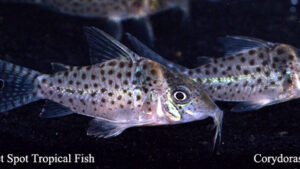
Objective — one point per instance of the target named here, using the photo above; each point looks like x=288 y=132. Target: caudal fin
x=17 y=86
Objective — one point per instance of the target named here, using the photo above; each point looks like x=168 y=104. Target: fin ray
x=18 y=87
x=104 y=46
x=236 y=44
x=53 y=110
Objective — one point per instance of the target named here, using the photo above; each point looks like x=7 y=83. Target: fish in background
x=125 y=91
x=254 y=73
x=114 y=10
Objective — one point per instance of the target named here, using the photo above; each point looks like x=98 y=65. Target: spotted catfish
x=125 y=91
x=113 y=10
x=253 y=72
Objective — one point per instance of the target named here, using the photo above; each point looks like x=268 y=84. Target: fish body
x=253 y=72
x=114 y=11
x=122 y=92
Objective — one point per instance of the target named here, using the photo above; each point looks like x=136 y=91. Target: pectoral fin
x=105 y=129
x=52 y=110
x=247 y=106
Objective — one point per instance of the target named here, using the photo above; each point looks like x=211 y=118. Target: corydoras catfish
x=253 y=72
x=125 y=91
x=113 y=10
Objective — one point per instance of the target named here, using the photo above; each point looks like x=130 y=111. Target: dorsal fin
x=236 y=44
x=57 y=67
x=146 y=52
x=102 y=46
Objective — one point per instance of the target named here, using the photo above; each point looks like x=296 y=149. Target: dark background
x=34 y=37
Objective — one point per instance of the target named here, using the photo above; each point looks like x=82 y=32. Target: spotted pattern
x=249 y=74
x=115 y=90
x=114 y=9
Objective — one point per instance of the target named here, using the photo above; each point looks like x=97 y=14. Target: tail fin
x=17 y=86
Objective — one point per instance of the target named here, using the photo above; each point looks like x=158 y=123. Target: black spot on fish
x=251 y=52
x=228 y=68
x=93 y=94
x=110 y=72
x=83 y=76
x=280 y=51
x=121 y=106
x=144 y=66
x=74 y=74
x=50 y=92
x=103 y=90
x=252 y=62
x=290 y=81
x=44 y=80
x=272 y=83
x=207 y=72
x=121 y=64
x=238 y=67
x=110 y=94
x=66 y=73
x=117 y=86
x=215 y=70
x=267 y=73
x=110 y=82
x=82 y=101
x=128 y=74
x=259 y=81
x=86 y=86
x=276 y=59
x=119 y=75
x=119 y=97
x=59 y=95
x=264 y=63
x=78 y=83
x=198 y=70
x=93 y=77
x=102 y=72
x=95 y=85
x=230 y=58
x=245 y=84
x=224 y=73
x=59 y=81
x=258 y=69
x=190 y=72
x=243 y=59
x=70 y=100
x=129 y=102
x=138 y=97
x=291 y=57
x=261 y=55
x=71 y=82
x=112 y=63
x=88 y=68
x=112 y=102
x=103 y=100
x=145 y=89
x=125 y=82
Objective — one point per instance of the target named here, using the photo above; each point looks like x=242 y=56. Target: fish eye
x=181 y=95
